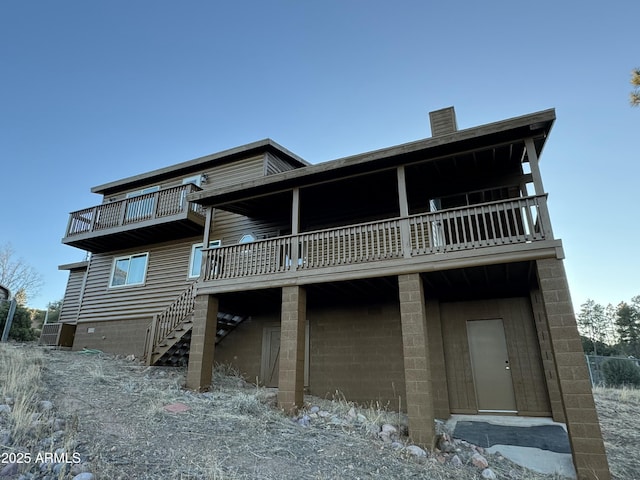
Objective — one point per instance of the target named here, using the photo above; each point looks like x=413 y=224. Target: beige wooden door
x=271 y=355
x=490 y=365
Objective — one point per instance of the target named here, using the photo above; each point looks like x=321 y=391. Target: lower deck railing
x=520 y=220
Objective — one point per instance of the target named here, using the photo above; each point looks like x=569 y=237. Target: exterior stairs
x=169 y=334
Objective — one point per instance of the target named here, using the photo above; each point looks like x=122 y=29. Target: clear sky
x=94 y=91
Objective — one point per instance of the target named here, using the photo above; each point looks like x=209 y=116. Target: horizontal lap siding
x=166 y=278
x=230 y=227
x=218 y=175
x=72 y=296
x=276 y=164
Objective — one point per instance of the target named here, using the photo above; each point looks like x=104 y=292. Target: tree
x=635 y=81
x=593 y=323
x=19 y=277
x=21 y=330
x=628 y=326
x=53 y=310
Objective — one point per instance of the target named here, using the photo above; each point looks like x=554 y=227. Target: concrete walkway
x=535 y=459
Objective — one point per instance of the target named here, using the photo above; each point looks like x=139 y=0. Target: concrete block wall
x=417 y=365
x=203 y=342
x=292 y=344
x=120 y=337
x=589 y=455
x=357 y=350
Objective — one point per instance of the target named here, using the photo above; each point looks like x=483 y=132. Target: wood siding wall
x=72 y=296
x=217 y=176
x=166 y=277
x=274 y=164
x=522 y=344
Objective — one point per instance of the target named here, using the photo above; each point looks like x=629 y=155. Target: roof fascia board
x=191 y=165
x=286 y=180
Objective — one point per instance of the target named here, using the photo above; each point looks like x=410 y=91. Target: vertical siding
x=522 y=344
x=72 y=296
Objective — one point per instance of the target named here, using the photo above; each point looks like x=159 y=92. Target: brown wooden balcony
x=510 y=229
x=153 y=217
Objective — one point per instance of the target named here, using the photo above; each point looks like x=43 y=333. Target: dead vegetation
x=117 y=418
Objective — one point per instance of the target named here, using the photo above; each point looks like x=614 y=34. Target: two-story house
x=426 y=272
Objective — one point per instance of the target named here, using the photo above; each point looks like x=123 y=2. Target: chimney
x=443 y=121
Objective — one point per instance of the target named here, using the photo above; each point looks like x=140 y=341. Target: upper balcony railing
x=134 y=210
x=513 y=221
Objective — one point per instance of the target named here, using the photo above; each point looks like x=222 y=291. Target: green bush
x=21 y=330
x=620 y=372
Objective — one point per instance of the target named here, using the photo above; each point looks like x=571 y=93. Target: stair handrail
x=167 y=321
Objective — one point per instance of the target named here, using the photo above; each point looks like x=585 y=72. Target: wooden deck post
x=203 y=342
x=405 y=230
x=585 y=437
x=417 y=364
x=292 y=342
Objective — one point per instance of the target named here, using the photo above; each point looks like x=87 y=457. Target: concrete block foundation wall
x=120 y=337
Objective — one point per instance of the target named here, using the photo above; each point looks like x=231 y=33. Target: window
x=196 y=257
x=129 y=270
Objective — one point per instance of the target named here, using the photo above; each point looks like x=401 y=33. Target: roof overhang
x=197 y=164
x=535 y=125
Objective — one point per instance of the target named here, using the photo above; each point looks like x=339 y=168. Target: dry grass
x=618 y=410
x=115 y=414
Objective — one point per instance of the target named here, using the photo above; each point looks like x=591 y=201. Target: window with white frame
x=129 y=270
x=195 y=263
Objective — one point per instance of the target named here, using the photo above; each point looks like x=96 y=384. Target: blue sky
x=96 y=91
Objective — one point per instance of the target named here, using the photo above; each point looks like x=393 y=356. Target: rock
x=130 y=358
x=443 y=443
x=85 y=476
x=314 y=409
x=455 y=461
x=304 y=420
x=5 y=409
x=488 y=474
x=479 y=461
x=9 y=470
x=360 y=418
x=416 y=451
x=389 y=429
x=396 y=445
x=45 y=406
x=323 y=414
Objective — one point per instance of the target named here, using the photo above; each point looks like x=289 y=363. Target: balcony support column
x=292 y=348
x=405 y=229
x=417 y=359
x=532 y=155
x=581 y=417
x=203 y=342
